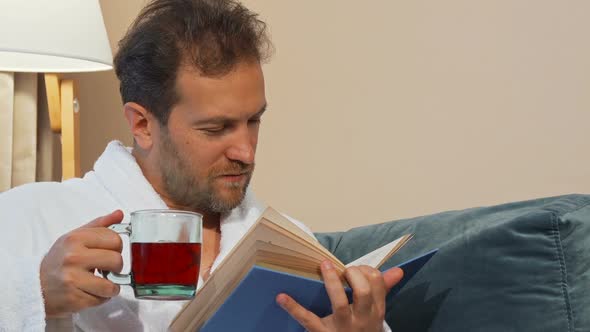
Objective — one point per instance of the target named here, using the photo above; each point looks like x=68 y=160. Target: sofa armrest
x=522 y=266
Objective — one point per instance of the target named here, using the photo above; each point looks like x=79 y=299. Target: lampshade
x=53 y=36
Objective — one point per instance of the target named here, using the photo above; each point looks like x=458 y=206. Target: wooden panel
x=53 y=101
x=70 y=132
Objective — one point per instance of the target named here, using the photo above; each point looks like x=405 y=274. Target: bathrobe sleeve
x=21 y=302
x=32 y=217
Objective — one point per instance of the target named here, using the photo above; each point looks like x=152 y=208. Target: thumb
x=392 y=277
x=114 y=217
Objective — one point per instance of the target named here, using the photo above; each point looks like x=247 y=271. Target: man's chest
x=209 y=250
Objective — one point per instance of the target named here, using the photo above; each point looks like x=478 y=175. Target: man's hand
x=366 y=313
x=68 y=282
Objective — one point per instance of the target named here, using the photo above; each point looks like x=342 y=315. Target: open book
x=275 y=256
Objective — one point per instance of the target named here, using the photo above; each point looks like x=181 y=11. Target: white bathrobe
x=33 y=217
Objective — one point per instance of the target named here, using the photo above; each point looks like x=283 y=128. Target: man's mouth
x=234 y=177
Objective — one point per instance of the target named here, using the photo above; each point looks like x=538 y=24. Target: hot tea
x=165 y=254
x=165 y=266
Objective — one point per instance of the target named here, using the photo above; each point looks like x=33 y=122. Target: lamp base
x=64 y=118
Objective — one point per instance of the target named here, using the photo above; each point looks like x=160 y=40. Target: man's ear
x=141 y=123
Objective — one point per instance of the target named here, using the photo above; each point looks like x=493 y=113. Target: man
x=193 y=93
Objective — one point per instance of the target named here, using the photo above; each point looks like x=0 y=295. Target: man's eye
x=255 y=121
x=215 y=130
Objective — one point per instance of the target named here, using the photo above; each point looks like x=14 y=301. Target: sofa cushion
x=521 y=266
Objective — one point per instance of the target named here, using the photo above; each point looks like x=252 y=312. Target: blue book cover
x=252 y=307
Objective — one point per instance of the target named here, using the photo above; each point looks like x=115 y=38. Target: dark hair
x=212 y=36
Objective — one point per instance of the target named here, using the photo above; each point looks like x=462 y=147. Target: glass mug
x=165 y=252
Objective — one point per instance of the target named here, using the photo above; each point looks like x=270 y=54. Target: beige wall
x=101 y=117
x=387 y=109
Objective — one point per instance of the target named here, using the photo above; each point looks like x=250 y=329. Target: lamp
x=56 y=36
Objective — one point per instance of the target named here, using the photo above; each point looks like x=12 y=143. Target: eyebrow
x=225 y=119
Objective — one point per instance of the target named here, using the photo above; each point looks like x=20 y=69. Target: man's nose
x=243 y=148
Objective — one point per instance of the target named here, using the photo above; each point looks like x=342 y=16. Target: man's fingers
x=96 y=286
x=96 y=238
x=306 y=318
x=107 y=260
x=82 y=300
x=392 y=277
x=335 y=290
x=114 y=217
x=361 y=292
x=378 y=290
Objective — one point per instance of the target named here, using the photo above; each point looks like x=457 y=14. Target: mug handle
x=119 y=278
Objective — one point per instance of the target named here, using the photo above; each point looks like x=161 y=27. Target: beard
x=187 y=190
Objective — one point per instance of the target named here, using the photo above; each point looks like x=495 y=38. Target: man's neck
x=211 y=244
x=211 y=221
x=211 y=236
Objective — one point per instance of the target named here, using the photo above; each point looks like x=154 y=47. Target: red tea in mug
x=165 y=263
x=165 y=247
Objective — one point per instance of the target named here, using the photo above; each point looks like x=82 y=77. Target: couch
x=522 y=266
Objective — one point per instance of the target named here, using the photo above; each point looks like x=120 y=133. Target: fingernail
x=281 y=300
x=327 y=265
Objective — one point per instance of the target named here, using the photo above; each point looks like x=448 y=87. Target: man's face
x=206 y=151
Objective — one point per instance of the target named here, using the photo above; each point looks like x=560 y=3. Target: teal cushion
x=515 y=267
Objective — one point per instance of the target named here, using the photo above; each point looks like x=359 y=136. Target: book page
x=276 y=218
x=377 y=257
